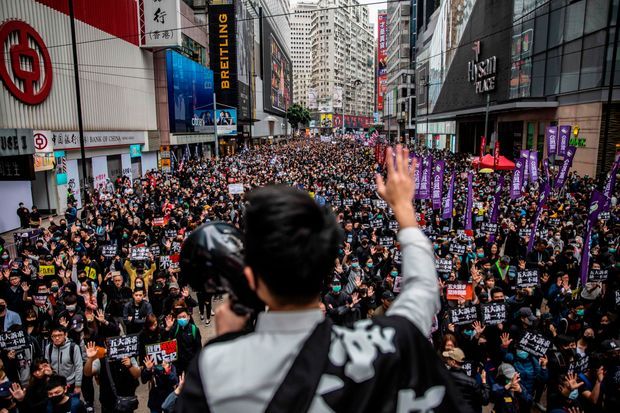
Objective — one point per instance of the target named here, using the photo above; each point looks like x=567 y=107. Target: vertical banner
x=610 y=184
x=483 y=144
x=566 y=165
x=448 y=200
x=543 y=194
x=517 y=179
x=73 y=181
x=563 y=139
x=223 y=53
x=497 y=199
x=596 y=203
x=425 y=179
x=546 y=170
x=126 y=165
x=100 y=171
x=525 y=154
x=438 y=170
x=496 y=155
x=161 y=23
x=381 y=58
x=337 y=97
x=470 y=201
x=417 y=174
x=551 y=135
x=533 y=166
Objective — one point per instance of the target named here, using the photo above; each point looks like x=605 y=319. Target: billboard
x=190 y=94
x=381 y=58
x=245 y=29
x=226 y=122
x=277 y=73
x=223 y=52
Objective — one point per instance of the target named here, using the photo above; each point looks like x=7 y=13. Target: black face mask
x=57 y=399
x=2 y=307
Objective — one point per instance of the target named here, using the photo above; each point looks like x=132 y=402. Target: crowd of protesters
x=519 y=329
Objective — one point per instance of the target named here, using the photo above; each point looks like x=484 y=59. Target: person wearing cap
x=508 y=395
x=524 y=321
x=475 y=394
x=387 y=298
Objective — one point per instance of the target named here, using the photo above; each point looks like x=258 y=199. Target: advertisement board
x=277 y=73
x=190 y=95
x=162 y=21
x=226 y=122
x=245 y=29
x=223 y=51
x=381 y=58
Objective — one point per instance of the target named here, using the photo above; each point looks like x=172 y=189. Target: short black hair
x=54 y=381
x=291 y=242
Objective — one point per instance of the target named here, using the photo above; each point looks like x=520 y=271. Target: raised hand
x=63 y=322
x=17 y=392
x=91 y=350
x=25 y=287
x=506 y=340
x=571 y=380
x=149 y=363
x=478 y=327
x=169 y=322
x=185 y=292
x=399 y=189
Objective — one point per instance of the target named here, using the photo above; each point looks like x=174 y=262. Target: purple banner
x=448 y=205
x=438 y=169
x=417 y=175
x=470 y=202
x=533 y=166
x=497 y=199
x=543 y=194
x=566 y=165
x=610 y=184
x=425 y=178
x=563 y=139
x=525 y=154
x=597 y=202
x=517 y=179
x=551 y=135
x=546 y=169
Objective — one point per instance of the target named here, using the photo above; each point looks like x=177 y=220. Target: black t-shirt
x=35 y=216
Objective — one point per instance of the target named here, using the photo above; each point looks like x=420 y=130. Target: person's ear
x=249 y=275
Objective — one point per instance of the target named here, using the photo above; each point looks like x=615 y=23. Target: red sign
x=458 y=290
x=22 y=49
x=496 y=154
x=40 y=141
x=382 y=59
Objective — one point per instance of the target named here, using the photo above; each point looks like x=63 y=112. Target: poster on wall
x=223 y=51
x=245 y=32
x=381 y=59
x=100 y=171
x=277 y=73
x=226 y=122
x=73 y=181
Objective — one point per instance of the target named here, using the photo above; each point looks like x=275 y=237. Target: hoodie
x=61 y=361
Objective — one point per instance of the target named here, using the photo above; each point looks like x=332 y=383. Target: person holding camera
x=296 y=360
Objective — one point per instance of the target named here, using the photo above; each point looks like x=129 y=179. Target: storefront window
x=571 y=61
x=592 y=63
x=530 y=136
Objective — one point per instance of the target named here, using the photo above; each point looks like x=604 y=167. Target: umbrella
x=486 y=171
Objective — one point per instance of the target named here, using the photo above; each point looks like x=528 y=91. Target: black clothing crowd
x=518 y=330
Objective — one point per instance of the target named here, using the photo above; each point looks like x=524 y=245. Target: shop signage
x=162 y=23
x=482 y=73
x=71 y=140
x=577 y=142
x=135 y=151
x=14 y=142
x=17 y=168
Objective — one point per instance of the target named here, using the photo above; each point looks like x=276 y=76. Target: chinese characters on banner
x=382 y=59
x=162 y=23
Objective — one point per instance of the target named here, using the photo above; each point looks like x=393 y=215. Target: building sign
x=17 y=168
x=31 y=84
x=223 y=51
x=381 y=58
x=71 y=140
x=14 y=142
x=135 y=151
x=277 y=73
x=482 y=73
x=160 y=23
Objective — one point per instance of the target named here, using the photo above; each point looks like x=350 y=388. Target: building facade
x=557 y=72
x=342 y=78
x=301 y=50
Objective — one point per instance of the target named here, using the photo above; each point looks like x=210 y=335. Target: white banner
x=235 y=189
x=126 y=165
x=312 y=99
x=100 y=171
x=326 y=106
x=337 y=98
x=71 y=140
x=162 y=23
x=73 y=181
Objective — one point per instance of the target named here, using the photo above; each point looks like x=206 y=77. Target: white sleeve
x=418 y=300
x=96 y=366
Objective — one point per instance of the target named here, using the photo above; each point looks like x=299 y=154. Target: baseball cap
x=4 y=389
x=455 y=354
x=173 y=285
x=526 y=312
x=77 y=321
x=506 y=370
x=610 y=345
x=388 y=295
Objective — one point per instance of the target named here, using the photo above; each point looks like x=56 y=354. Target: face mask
x=480 y=255
x=139 y=285
x=2 y=307
x=71 y=307
x=5 y=256
x=522 y=354
x=573 y=395
x=84 y=289
x=581 y=312
x=394 y=273
x=57 y=399
x=125 y=236
x=54 y=288
x=336 y=288
x=369 y=265
x=611 y=251
x=469 y=333
x=182 y=321
x=355 y=265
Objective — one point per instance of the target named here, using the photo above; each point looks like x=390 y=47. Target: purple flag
x=566 y=165
x=525 y=154
x=496 y=200
x=552 y=140
x=597 y=202
x=438 y=169
x=543 y=194
x=417 y=175
x=546 y=169
x=448 y=200
x=425 y=178
x=563 y=139
x=470 y=201
x=517 y=179
x=610 y=185
x=533 y=166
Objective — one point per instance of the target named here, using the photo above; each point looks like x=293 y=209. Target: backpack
x=193 y=331
x=71 y=351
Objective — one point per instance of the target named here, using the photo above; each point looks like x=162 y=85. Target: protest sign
x=109 y=251
x=397 y=281
x=467 y=367
x=348 y=202
x=598 y=275
x=554 y=222
x=393 y=225
x=458 y=290
x=122 y=346
x=47 y=270
x=380 y=203
x=604 y=216
x=235 y=189
x=376 y=223
x=366 y=202
x=463 y=315
x=159 y=222
x=176 y=246
x=12 y=340
x=493 y=313
x=139 y=253
x=170 y=233
x=175 y=261
x=489 y=228
x=579 y=365
x=155 y=250
x=524 y=232
x=386 y=241
x=457 y=249
x=164 y=351
x=527 y=278
x=535 y=344
x=39 y=299
x=444 y=265
x=397 y=257
x=164 y=262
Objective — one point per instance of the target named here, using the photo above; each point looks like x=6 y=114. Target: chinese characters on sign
x=123 y=346
x=162 y=23
x=534 y=344
x=463 y=315
x=12 y=340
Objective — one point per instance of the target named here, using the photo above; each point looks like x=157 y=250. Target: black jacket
x=474 y=394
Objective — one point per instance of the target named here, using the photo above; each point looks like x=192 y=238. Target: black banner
x=386 y=241
x=493 y=313
x=534 y=344
x=457 y=249
x=139 y=254
x=17 y=168
x=527 y=278
x=108 y=251
x=488 y=228
x=598 y=275
x=122 y=346
x=463 y=315
x=223 y=52
x=444 y=265
x=12 y=340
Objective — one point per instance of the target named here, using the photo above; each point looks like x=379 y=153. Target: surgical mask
x=182 y=321
x=5 y=256
x=139 y=285
x=573 y=394
x=611 y=251
x=480 y=255
x=469 y=333
x=581 y=312
x=71 y=307
x=54 y=288
x=336 y=288
x=84 y=289
x=355 y=265
x=369 y=265
x=394 y=273
x=522 y=354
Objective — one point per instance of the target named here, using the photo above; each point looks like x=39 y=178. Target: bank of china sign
x=482 y=73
